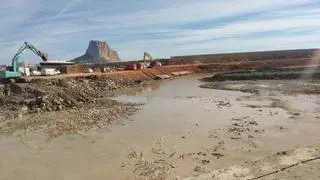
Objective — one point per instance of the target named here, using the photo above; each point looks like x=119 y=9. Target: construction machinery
x=147 y=62
x=13 y=72
x=147 y=56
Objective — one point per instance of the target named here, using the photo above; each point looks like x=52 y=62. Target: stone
x=296 y=114
x=60 y=107
x=48 y=109
x=24 y=109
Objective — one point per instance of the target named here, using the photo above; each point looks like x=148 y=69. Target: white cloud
x=192 y=11
x=63 y=28
x=235 y=30
x=260 y=42
x=249 y=27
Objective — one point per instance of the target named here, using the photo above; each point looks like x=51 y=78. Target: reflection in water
x=141 y=95
x=149 y=98
x=150 y=87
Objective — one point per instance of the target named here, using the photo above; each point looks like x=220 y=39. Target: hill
x=98 y=52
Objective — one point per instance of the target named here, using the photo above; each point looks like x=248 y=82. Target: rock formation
x=98 y=52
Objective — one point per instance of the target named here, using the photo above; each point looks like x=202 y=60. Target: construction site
x=248 y=115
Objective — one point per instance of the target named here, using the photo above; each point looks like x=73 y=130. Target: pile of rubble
x=53 y=95
x=63 y=106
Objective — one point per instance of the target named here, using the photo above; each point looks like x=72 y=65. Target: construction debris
x=81 y=96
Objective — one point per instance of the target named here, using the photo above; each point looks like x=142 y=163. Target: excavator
x=13 y=72
x=147 y=56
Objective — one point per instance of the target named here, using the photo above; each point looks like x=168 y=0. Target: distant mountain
x=98 y=52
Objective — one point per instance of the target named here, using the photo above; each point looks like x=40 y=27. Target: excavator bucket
x=44 y=56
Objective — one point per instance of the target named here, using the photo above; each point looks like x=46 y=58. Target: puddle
x=179 y=122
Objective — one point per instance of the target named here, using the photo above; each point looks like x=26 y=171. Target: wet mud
x=181 y=131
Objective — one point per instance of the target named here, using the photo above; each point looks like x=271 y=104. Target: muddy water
x=180 y=124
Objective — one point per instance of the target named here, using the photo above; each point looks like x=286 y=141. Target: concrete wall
x=247 y=56
x=226 y=57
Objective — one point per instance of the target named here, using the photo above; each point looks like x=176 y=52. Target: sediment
x=79 y=102
x=266 y=74
x=62 y=106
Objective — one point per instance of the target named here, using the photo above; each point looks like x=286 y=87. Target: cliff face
x=98 y=52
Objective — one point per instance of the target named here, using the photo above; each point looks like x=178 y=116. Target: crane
x=13 y=73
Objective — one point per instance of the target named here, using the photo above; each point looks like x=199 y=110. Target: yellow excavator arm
x=147 y=56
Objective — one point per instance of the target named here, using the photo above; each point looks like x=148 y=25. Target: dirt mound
x=57 y=94
x=63 y=106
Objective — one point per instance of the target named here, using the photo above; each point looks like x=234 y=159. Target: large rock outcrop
x=98 y=52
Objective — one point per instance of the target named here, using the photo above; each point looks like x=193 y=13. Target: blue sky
x=162 y=27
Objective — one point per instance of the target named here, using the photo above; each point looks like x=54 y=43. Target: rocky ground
x=60 y=106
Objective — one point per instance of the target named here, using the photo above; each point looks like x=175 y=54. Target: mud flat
x=63 y=106
x=181 y=131
x=301 y=163
x=286 y=73
x=269 y=87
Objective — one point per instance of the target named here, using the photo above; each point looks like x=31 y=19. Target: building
x=3 y=67
x=55 y=64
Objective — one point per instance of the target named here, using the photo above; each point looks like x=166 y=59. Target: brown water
x=178 y=122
